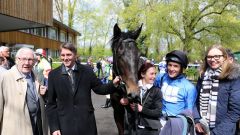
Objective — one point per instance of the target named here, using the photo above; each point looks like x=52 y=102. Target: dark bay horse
x=125 y=64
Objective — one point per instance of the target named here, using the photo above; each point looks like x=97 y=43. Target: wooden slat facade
x=39 y=11
x=17 y=37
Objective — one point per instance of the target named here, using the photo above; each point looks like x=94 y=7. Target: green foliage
x=55 y=64
x=97 y=52
x=192 y=74
x=189 y=25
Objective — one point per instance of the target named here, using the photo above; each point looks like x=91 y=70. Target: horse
x=126 y=61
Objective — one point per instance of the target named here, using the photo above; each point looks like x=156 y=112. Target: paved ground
x=104 y=117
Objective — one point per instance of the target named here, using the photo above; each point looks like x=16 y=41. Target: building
x=30 y=23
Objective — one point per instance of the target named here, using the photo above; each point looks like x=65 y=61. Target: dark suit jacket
x=72 y=112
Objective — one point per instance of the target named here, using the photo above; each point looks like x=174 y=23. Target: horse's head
x=126 y=57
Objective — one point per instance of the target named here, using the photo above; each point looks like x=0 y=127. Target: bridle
x=116 y=56
x=122 y=83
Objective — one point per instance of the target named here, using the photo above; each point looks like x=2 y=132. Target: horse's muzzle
x=133 y=98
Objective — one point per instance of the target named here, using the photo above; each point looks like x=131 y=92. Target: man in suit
x=69 y=108
x=21 y=107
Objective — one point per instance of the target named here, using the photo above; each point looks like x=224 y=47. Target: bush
x=56 y=64
x=192 y=74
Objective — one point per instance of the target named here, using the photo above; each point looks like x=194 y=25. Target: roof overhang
x=66 y=27
x=9 y=23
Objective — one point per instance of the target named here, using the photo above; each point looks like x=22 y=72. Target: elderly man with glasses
x=21 y=107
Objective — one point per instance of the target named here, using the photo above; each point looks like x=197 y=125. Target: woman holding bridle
x=150 y=105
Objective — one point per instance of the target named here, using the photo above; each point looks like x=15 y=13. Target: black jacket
x=70 y=111
x=152 y=108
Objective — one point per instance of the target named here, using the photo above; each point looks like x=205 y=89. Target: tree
x=71 y=12
x=62 y=7
x=189 y=25
x=59 y=6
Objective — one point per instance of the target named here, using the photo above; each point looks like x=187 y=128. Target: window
x=52 y=33
x=41 y=32
x=62 y=36
x=70 y=38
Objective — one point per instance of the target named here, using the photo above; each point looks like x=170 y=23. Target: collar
x=19 y=75
x=181 y=75
x=145 y=87
x=73 y=67
x=25 y=75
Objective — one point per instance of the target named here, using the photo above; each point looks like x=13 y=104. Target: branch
x=59 y=10
x=207 y=14
x=202 y=29
x=151 y=8
x=175 y=32
x=204 y=9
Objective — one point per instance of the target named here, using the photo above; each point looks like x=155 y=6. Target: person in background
x=162 y=66
x=50 y=60
x=99 y=67
x=150 y=107
x=3 y=64
x=107 y=78
x=90 y=62
x=69 y=107
x=42 y=66
x=218 y=104
x=5 y=52
x=230 y=55
x=21 y=105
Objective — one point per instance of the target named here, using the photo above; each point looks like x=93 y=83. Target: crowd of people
x=38 y=100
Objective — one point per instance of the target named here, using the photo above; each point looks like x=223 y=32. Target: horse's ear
x=116 y=31
x=137 y=32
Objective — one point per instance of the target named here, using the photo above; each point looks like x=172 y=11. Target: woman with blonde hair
x=218 y=104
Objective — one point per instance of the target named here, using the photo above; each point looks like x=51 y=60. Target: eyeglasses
x=26 y=59
x=215 y=57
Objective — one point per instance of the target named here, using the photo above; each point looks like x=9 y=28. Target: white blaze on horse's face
x=126 y=57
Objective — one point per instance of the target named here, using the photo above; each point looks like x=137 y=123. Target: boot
x=107 y=104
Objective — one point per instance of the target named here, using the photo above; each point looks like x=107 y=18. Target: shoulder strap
x=148 y=92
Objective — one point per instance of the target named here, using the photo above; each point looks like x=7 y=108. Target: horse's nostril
x=133 y=98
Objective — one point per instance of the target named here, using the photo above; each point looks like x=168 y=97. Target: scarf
x=208 y=96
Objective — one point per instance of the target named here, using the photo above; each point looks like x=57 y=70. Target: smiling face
x=67 y=57
x=149 y=76
x=25 y=61
x=173 y=69
x=215 y=58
